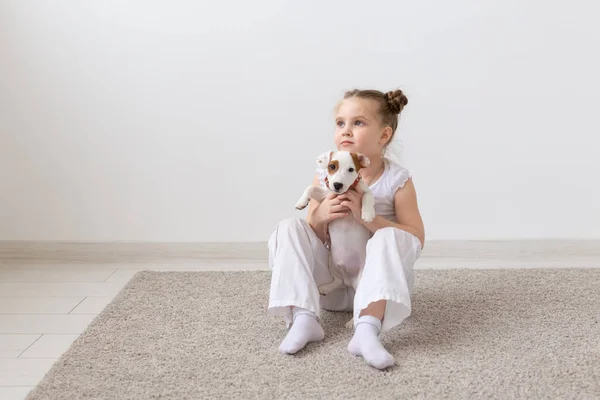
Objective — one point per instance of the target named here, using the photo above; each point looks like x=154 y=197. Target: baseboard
x=514 y=251
x=131 y=252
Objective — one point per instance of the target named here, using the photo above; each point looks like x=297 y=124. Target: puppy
x=347 y=237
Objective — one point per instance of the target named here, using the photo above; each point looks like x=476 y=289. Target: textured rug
x=504 y=334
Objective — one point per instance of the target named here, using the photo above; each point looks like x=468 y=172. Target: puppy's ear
x=360 y=160
x=323 y=159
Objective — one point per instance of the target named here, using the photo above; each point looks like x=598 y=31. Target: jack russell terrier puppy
x=347 y=237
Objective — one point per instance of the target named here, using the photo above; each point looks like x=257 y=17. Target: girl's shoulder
x=394 y=177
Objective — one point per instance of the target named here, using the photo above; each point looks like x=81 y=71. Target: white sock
x=365 y=343
x=305 y=329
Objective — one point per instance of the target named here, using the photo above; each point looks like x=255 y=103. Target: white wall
x=113 y=113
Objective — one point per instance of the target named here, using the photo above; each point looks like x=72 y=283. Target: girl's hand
x=352 y=200
x=328 y=210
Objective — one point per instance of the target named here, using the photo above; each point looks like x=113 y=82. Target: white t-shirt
x=384 y=189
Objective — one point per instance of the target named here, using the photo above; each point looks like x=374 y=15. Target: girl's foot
x=305 y=329
x=365 y=343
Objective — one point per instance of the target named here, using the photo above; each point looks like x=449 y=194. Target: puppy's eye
x=332 y=167
x=351 y=170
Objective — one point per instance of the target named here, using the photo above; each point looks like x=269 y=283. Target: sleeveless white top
x=384 y=189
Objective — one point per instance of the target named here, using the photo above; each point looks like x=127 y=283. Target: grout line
x=77 y=305
x=34 y=342
x=108 y=277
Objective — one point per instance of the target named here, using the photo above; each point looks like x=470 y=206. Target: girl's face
x=359 y=129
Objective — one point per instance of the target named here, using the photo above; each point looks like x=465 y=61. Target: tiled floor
x=44 y=307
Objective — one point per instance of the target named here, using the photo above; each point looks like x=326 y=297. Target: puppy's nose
x=338 y=185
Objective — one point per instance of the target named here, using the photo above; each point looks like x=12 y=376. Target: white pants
x=299 y=262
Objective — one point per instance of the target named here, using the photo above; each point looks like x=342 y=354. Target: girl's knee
x=398 y=238
x=291 y=227
x=387 y=233
x=288 y=227
x=291 y=224
x=390 y=232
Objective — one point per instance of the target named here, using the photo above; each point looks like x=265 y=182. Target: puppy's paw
x=302 y=203
x=327 y=288
x=324 y=290
x=350 y=324
x=368 y=214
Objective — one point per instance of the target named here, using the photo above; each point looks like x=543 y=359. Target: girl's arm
x=320 y=229
x=407 y=214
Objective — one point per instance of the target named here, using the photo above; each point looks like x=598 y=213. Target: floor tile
x=41 y=323
x=92 y=305
x=50 y=346
x=14 y=392
x=11 y=345
x=23 y=371
x=38 y=305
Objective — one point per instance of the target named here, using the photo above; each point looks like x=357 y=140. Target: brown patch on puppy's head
x=360 y=161
x=333 y=166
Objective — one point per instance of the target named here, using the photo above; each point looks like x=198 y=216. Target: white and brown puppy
x=347 y=237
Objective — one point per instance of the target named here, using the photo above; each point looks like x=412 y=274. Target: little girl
x=366 y=121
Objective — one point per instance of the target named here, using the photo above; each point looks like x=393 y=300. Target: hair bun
x=396 y=100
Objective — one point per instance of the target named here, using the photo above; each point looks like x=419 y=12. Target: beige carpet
x=507 y=334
